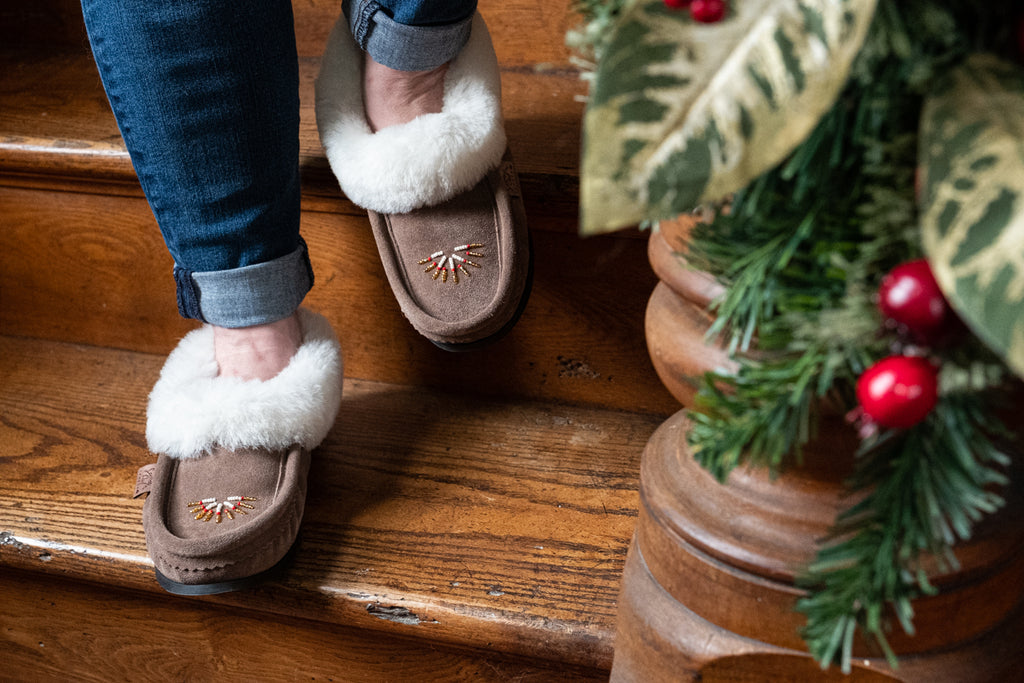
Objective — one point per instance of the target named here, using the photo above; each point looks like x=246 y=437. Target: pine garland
x=804 y=293
x=925 y=489
x=801 y=251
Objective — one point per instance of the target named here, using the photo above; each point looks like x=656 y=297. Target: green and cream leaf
x=972 y=198
x=681 y=113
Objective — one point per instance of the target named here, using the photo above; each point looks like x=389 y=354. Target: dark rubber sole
x=243 y=583
x=506 y=328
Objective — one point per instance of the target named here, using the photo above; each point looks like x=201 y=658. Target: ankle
x=392 y=97
x=258 y=352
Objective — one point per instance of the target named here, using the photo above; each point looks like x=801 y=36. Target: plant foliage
x=813 y=225
x=972 y=170
x=681 y=112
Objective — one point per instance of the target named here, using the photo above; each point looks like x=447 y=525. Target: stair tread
x=490 y=524
x=55 y=120
x=70 y=263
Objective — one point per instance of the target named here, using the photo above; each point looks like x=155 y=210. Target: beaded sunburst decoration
x=445 y=265
x=212 y=509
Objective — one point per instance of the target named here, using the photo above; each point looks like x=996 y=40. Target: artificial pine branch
x=800 y=253
x=923 y=489
x=801 y=249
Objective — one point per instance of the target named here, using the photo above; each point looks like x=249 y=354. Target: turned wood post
x=709 y=588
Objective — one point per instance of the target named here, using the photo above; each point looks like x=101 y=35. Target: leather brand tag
x=144 y=479
x=510 y=179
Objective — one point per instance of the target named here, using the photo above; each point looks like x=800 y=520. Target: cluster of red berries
x=704 y=11
x=899 y=391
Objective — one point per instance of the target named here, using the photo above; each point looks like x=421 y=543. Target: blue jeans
x=205 y=93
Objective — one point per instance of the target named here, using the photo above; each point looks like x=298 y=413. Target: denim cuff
x=251 y=295
x=403 y=47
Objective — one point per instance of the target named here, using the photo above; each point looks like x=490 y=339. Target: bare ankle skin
x=392 y=97
x=258 y=352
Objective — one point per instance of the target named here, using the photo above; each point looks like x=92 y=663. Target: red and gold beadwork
x=450 y=265
x=211 y=509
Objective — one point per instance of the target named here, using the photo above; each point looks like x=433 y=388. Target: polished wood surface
x=492 y=525
x=710 y=588
x=92 y=269
x=747 y=540
x=681 y=353
x=660 y=640
x=53 y=629
x=55 y=120
x=468 y=516
x=79 y=248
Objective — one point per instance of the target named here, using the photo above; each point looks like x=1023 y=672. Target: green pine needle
x=923 y=489
x=800 y=252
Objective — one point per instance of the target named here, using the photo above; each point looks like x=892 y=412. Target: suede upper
x=227 y=494
x=485 y=298
x=194 y=551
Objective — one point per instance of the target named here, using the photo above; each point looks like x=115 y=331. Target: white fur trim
x=423 y=162
x=191 y=409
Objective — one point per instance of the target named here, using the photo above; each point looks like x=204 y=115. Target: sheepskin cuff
x=192 y=409
x=426 y=161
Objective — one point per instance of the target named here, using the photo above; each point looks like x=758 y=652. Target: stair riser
x=92 y=269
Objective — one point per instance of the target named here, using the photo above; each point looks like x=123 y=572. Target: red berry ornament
x=677 y=4
x=707 y=11
x=910 y=296
x=898 y=391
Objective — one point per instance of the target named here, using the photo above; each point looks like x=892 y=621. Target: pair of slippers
x=227 y=493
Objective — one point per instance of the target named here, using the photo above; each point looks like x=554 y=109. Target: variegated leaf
x=681 y=112
x=972 y=198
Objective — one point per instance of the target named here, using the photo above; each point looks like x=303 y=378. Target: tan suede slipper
x=227 y=493
x=441 y=192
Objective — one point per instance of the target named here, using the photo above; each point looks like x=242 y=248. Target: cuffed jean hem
x=250 y=295
x=403 y=47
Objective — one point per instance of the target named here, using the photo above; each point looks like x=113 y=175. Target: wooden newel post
x=709 y=587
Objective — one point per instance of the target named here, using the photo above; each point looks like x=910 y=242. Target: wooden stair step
x=68 y=630
x=56 y=126
x=483 y=525
x=81 y=261
x=91 y=269
x=55 y=120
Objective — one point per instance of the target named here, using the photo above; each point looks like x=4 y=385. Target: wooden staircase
x=468 y=516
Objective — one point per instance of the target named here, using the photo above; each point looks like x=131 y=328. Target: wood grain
x=438 y=523
x=666 y=250
x=81 y=253
x=488 y=524
x=676 y=340
x=92 y=269
x=57 y=630
x=746 y=541
x=661 y=641
x=525 y=32
x=55 y=121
